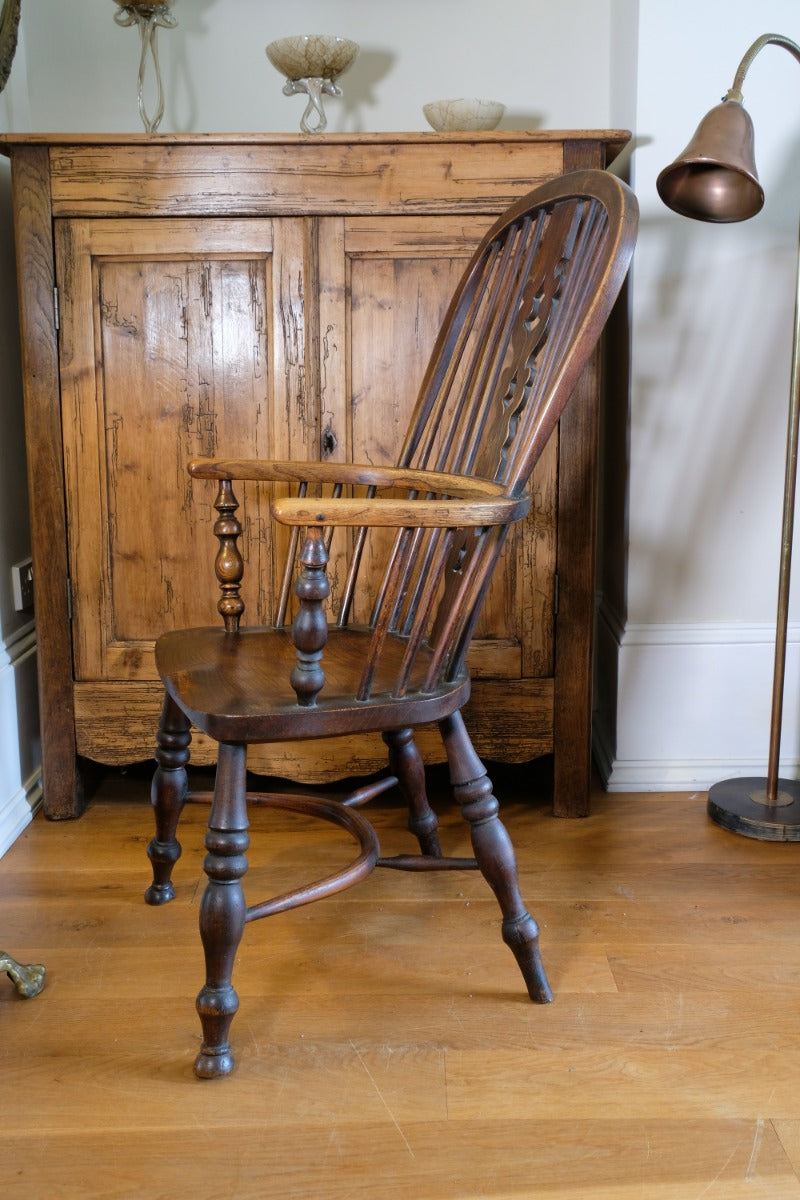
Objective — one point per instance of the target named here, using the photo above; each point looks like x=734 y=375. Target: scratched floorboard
x=385 y=1049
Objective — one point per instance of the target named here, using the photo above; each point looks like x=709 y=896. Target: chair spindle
x=310 y=626
x=229 y=565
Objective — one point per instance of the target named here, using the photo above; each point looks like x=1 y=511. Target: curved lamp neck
x=766 y=39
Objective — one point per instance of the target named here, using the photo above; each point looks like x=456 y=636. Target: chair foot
x=168 y=795
x=158 y=893
x=494 y=853
x=216 y=1007
x=213 y=1066
x=521 y=935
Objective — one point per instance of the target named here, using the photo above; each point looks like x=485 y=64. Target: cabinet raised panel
x=179 y=360
x=277 y=297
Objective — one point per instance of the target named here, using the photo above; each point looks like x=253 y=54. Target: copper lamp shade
x=715 y=177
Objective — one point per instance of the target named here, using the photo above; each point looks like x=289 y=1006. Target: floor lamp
x=715 y=179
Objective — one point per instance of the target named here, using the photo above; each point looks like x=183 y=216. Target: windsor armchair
x=389 y=657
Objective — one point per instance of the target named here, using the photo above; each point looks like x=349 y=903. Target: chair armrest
x=471 y=501
x=477 y=510
x=347 y=474
x=265 y=470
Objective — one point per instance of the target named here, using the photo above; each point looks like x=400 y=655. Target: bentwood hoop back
x=384 y=648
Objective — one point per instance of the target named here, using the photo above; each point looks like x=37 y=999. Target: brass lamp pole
x=715 y=179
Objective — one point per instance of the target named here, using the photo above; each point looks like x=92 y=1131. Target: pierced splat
x=528 y=345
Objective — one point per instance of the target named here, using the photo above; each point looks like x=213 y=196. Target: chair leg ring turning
x=223 y=913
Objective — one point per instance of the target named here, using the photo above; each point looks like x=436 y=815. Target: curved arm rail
x=346 y=474
x=400 y=514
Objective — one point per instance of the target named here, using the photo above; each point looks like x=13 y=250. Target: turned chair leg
x=223 y=912
x=405 y=761
x=168 y=794
x=494 y=853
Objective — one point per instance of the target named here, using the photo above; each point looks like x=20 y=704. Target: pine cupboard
x=273 y=296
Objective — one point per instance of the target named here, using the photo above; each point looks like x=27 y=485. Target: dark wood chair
x=390 y=657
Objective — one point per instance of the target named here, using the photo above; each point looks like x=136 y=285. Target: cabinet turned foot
x=168 y=795
x=223 y=912
x=494 y=854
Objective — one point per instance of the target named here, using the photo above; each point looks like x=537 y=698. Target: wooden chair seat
x=383 y=644
x=236 y=687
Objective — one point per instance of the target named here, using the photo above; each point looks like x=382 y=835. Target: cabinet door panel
x=383 y=313
x=188 y=355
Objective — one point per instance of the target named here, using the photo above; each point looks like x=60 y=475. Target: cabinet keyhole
x=329 y=442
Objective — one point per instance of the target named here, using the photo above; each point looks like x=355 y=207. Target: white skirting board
x=20 y=756
x=681 y=707
x=17 y=811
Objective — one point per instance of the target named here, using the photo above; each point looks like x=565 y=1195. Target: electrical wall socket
x=22 y=584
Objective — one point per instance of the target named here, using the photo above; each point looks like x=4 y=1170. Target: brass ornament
x=27 y=979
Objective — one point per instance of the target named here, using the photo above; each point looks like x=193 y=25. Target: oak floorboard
x=789 y=1133
x=450 y=1020
x=645 y=1083
x=517 y=1160
x=384 y=1045
x=600 y=1160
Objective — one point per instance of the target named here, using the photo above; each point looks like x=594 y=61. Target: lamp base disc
x=740 y=805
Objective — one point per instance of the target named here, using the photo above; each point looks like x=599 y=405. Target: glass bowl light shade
x=463 y=114
x=312 y=55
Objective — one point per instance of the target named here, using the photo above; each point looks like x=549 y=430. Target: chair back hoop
x=527 y=314
x=524 y=320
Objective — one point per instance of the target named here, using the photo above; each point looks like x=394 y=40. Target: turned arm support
x=310 y=626
x=228 y=565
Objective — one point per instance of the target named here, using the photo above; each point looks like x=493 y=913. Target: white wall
x=690 y=631
x=83 y=67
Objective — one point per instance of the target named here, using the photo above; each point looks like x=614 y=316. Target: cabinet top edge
x=617 y=138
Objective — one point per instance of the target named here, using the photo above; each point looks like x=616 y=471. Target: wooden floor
x=394 y=1055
